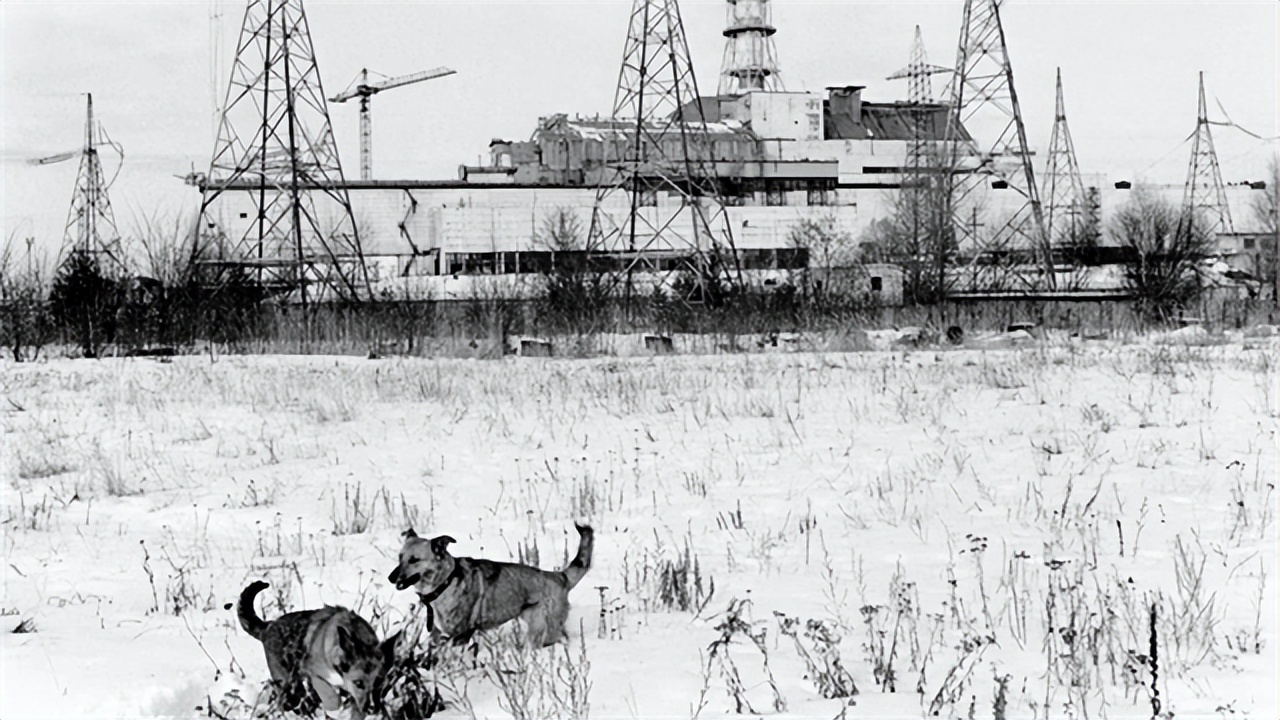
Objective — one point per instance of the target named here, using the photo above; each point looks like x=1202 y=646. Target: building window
x=818 y=196
x=775 y=196
x=648 y=198
x=1250 y=243
x=792 y=258
x=473 y=263
x=877 y=284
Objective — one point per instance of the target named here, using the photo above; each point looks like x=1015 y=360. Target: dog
x=319 y=657
x=465 y=594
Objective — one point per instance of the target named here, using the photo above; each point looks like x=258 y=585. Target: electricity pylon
x=276 y=156
x=659 y=197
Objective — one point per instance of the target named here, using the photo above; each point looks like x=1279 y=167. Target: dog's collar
x=455 y=575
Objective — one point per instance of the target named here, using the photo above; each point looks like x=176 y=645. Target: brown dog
x=465 y=594
x=326 y=656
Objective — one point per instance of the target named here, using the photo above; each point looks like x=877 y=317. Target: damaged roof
x=601 y=129
x=886 y=121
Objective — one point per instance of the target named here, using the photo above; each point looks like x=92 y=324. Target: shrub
x=1165 y=244
x=84 y=301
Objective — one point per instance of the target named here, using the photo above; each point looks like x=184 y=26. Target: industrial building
x=780 y=157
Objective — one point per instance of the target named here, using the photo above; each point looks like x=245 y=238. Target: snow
x=212 y=472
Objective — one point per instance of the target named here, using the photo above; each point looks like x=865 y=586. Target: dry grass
x=1020 y=511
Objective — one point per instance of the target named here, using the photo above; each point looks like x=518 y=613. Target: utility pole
x=91 y=225
x=1063 y=187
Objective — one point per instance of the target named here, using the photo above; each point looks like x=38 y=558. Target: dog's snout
x=402 y=581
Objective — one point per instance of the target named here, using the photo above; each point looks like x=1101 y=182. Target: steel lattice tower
x=1204 y=194
x=275 y=144
x=985 y=102
x=659 y=193
x=750 y=58
x=917 y=73
x=1065 y=213
x=91 y=223
x=918 y=205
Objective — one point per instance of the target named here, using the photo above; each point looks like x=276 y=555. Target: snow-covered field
x=956 y=517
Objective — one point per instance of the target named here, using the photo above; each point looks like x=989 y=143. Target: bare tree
x=573 y=289
x=1266 y=211
x=916 y=235
x=833 y=257
x=1166 y=245
x=25 y=324
x=164 y=244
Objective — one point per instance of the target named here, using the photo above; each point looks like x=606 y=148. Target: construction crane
x=364 y=90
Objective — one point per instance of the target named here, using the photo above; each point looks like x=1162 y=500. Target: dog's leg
x=293 y=693
x=559 y=618
x=463 y=637
x=541 y=623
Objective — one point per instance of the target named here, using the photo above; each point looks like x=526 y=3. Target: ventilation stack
x=750 y=59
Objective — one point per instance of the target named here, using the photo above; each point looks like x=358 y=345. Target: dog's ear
x=345 y=641
x=409 y=533
x=440 y=544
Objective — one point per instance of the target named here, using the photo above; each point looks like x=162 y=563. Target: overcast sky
x=1129 y=70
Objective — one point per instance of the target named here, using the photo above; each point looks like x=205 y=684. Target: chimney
x=846 y=101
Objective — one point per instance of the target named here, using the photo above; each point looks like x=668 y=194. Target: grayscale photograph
x=628 y=359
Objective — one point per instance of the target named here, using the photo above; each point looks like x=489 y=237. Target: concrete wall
x=784 y=115
x=479 y=220
x=455 y=220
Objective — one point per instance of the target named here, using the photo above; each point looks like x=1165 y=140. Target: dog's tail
x=582 y=561
x=249 y=619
